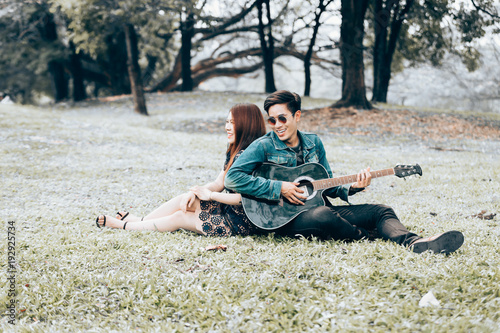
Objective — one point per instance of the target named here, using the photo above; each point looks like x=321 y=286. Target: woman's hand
x=363 y=179
x=187 y=201
x=202 y=193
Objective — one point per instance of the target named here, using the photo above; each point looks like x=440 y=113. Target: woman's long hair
x=249 y=125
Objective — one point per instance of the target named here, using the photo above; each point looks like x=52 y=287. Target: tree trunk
x=77 y=74
x=381 y=23
x=267 y=46
x=116 y=63
x=307 y=59
x=56 y=66
x=150 y=69
x=351 y=54
x=170 y=81
x=187 y=28
x=384 y=48
x=134 y=71
x=59 y=80
x=307 y=73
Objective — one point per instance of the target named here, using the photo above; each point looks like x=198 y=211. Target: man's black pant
x=349 y=223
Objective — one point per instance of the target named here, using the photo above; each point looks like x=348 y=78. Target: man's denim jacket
x=269 y=148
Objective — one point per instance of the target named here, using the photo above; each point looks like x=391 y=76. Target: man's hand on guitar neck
x=291 y=192
x=363 y=179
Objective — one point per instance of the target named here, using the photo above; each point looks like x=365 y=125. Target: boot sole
x=448 y=242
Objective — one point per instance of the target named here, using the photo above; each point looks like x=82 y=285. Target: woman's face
x=230 y=129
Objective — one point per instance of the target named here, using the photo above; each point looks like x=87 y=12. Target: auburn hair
x=249 y=125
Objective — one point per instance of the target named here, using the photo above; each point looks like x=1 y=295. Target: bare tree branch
x=481 y=9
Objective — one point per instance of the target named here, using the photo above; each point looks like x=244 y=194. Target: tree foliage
x=50 y=46
x=28 y=45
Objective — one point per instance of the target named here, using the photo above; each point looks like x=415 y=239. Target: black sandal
x=124 y=225
x=97 y=221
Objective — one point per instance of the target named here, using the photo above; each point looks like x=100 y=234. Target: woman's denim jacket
x=269 y=148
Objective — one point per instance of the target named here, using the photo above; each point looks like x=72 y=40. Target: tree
x=197 y=28
x=76 y=70
x=106 y=29
x=419 y=31
x=266 y=43
x=187 y=33
x=389 y=16
x=48 y=33
x=208 y=29
x=33 y=57
x=134 y=71
x=322 y=6
x=351 y=55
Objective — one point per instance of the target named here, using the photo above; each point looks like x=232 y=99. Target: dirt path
x=426 y=126
x=377 y=123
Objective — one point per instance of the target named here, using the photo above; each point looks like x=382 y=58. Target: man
x=288 y=146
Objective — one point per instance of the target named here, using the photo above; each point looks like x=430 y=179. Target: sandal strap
x=124 y=225
x=124 y=216
x=97 y=221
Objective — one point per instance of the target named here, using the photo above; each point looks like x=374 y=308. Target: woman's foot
x=111 y=222
x=126 y=216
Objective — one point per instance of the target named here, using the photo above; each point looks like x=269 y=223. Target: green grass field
x=62 y=166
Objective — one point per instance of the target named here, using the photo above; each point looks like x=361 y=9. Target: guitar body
x=270 y=215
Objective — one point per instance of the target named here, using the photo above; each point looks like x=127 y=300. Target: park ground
x=63 y=165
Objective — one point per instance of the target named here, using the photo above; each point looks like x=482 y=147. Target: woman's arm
x=204 y=193
x=216 y=186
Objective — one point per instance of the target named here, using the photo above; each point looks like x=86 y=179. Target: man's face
x=285 y=125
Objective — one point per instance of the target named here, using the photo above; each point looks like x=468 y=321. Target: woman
x=205 y=209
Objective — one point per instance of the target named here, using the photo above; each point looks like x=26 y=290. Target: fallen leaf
x=483 y=216
x=216 y=247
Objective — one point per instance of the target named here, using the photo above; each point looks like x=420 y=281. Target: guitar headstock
x=407 y=170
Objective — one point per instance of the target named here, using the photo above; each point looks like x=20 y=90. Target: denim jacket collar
x=307 y=144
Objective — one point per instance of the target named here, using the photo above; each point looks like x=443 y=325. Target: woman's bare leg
x=168 y=208
x=179 y=220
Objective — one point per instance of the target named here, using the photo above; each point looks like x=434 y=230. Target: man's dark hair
x=292 y=100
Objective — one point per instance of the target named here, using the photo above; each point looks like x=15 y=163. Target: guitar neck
x=338 y=181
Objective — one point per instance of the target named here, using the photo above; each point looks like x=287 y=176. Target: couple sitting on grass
x=211 y=211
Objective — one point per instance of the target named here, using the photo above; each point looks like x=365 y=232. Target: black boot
x=447 y=242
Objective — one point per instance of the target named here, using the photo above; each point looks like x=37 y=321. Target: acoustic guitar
x=313 y=180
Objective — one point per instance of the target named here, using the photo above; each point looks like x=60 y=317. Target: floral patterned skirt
x=223 y=220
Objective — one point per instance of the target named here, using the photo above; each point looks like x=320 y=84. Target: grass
x=62 y=166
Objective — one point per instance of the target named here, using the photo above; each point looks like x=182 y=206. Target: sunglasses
x=281 y=118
